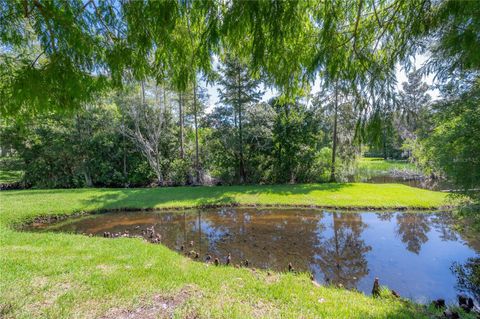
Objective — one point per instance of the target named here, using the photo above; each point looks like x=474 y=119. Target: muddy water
x=411 y=253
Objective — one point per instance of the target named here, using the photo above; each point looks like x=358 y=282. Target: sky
x=270 y=92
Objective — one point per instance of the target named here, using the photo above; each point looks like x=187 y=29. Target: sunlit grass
x=11 y=170
x=380 y=165
x=10 y=176
x=18 y=205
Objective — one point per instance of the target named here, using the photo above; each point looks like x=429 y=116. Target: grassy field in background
x=11 y=170
x=53 y=275
x=10 y=176
x=378 y=164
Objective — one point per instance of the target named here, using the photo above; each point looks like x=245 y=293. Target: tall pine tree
x=239 y=90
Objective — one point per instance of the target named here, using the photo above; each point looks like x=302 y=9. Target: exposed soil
x=160 y=306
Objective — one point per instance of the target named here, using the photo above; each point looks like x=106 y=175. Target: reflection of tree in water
x=468 y=277
x=268 y=239
x=175 y=229
x=342 y=257
x=385 y=216
x=443 y=223
x=413 y=229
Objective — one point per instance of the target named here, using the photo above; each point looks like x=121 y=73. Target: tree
x=296 y=143
x=239 y=91
x=194 y=104
x=338 y=116
x=148 y=116
x=380 y=131
x=81 y=150
x=453 y=146
x=82 y=46
x=414 y=103
x=222 y=146
x=334 y=137
x=181 y=110
x=453 y=40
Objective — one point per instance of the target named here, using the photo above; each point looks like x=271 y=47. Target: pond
x=412 y=253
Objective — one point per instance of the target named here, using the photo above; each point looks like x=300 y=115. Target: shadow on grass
x=159 y=197
x=101 y=199
x=296 y=189
x=195 y=196
x=43 y=191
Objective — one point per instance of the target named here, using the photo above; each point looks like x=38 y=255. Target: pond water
x=411 y=253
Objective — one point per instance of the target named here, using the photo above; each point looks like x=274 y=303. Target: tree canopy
x=72 y=49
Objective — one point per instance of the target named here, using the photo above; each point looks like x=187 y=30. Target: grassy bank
x=49 y=275
x=382 y=165
x=371 y=166
x=22 y=204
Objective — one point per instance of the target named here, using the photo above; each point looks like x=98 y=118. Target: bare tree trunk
x=88 y=178
x=81 y=137
x=180 y=112
x=159 y=174
x=384 y=141
x=153 y=158
x=334 y=147
x=148 y=126
x=243 y=176
x=125 y=177
x=235 y=133
x=197 y=165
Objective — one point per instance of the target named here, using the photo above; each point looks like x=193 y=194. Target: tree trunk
x=197 y=166
x=88 y=178
x=384 y=140
x=235 y=133
x=334 y=146
x=159 y=177
x=180 y=111
x=243 y=176
x=125 y=176
x=154 y=163
x=81 y=137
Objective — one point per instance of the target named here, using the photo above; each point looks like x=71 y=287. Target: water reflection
x=410 y=252
x=413 y=229
x=468 y=277
x=341 y=255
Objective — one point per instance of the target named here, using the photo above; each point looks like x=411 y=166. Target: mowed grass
x=7 y=176
x=18 y=205
x=53 y=275
x=381 y=165
x=11 y=170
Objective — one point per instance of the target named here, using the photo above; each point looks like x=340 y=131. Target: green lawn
x=52 y=275
x=25 y=203
x=379 y=165
x=11 y=170
x=10 y=176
